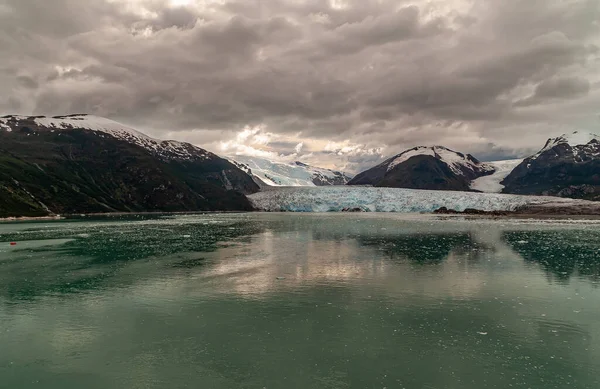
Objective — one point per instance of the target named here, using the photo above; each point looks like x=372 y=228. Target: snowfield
x=275 y=173
x=491 y=183
x=371 y=199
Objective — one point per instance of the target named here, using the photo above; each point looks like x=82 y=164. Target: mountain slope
x=86 y=164
x=271 y=173
x=567 y=166
x=434 y=167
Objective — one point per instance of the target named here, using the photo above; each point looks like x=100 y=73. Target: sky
x=333 y=83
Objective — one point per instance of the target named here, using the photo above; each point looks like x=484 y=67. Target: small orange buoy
x=13 y=243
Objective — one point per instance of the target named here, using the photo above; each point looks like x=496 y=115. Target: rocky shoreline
x=30 y=218
x=541 y=210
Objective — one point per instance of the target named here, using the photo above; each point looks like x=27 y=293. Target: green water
x=299 y=301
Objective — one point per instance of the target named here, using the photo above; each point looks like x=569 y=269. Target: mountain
x=88 y=164
x=434 y=167
x=271 y=173
x=567 y=166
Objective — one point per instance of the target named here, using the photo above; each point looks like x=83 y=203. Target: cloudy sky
x=336 y=83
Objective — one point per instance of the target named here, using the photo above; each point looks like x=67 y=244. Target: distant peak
x=574 y=139
x=434 y=148
x=434 y=151
x=454 y=159
x=578 y=138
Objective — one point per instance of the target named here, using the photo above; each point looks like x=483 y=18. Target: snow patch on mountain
x=4 y=126
x=408 y=154
x=457 y=162
x=492 y=182
x=167 y=149
x=370 y=199
x=273 y=173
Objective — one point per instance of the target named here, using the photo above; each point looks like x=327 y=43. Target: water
x=300 y=301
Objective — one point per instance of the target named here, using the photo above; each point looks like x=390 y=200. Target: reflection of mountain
x=302 y=300
x=422 y=248
x=304 y=249
x=86 y=164
x=91 y=255
x=561 y=253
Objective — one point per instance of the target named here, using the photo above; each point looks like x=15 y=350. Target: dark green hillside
x=82 y=171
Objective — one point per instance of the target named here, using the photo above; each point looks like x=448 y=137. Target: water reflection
x=307 y=301
x=73 y=257
x=560 y=253
x=69 y=257
x=422 y=248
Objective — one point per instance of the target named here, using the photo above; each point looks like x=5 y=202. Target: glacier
x=279 y=173
x=492 y=182
x=372 y=199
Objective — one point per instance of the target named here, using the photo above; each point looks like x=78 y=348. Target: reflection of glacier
x=335 y=199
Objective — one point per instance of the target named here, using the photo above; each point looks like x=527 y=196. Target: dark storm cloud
x=557 y=88
x=54 y=18
x=472 y=75
x=27 y=82
x=563 y=88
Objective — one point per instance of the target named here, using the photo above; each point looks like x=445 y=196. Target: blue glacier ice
x=370 y=199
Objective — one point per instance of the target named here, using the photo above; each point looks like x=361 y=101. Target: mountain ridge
x=86 y=164
x=567 y=166
x=425 y=167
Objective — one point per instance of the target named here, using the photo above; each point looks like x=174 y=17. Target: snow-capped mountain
x=86 y=164
x=578 y=141
x=567 y=166
x=272 y=173
x=433 y=167
x=164 y=149
x=459 y=163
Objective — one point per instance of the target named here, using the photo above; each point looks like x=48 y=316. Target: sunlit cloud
x=179 y=3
